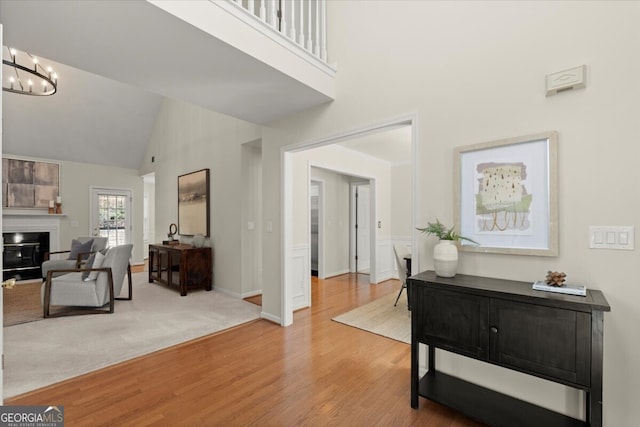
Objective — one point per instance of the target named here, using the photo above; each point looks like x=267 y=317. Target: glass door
x=111 y=215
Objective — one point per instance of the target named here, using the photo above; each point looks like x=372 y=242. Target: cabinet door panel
x=542 y=340
x=198 y=267
x=454 y=321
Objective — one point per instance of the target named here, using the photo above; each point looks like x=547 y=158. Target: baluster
x=323 y=30
x=316 y=48
x=263 y=11
x=301 y=24
x=273 y=17
x=309 y=41
x=250 y=6
x=292 y=34
x=283 y=17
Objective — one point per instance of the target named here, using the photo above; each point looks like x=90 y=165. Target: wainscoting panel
x=301 y=276
x=384 y=260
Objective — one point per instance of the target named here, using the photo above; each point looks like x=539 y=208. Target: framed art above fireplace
x=29 y=184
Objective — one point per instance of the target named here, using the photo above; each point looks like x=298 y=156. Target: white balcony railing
x=303 y=22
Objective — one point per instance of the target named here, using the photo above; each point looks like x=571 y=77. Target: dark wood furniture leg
x=151 y=266
x=130 y=294
x=594 y=396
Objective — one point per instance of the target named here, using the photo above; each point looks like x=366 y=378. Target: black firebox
x=23 y=255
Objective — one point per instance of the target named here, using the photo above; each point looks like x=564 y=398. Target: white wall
x=76 y=179
x=401 y=206
x=150 y=195
x=474 y=72
x=188 y=138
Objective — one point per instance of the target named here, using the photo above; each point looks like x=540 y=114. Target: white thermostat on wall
x=573 y=78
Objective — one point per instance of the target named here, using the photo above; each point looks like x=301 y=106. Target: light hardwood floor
x=314 y=373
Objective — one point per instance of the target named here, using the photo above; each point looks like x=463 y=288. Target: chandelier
x=23 y=74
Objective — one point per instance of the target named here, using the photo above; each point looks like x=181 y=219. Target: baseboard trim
x=251 y=294
x=337 y=273
x=271 y=318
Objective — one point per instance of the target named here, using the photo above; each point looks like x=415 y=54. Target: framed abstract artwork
x=29 y=184
x=507 y=195
x=193 y=203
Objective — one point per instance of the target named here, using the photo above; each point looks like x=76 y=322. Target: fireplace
x=23 y=254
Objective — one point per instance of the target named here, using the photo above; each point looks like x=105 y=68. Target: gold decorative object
x=9 y=284
x=555 y=278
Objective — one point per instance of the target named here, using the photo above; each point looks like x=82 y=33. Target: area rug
x=382 y=318
x=22 y=303
x=51 y=350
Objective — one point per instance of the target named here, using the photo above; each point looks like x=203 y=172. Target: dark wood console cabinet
x=503 y=322
x=180 y=265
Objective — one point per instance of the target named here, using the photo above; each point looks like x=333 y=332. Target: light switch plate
x=608 y=237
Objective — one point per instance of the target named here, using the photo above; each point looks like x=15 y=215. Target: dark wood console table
x=180 y=265
x=503 y=322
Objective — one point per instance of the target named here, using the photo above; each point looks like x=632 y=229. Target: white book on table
x=566 y=289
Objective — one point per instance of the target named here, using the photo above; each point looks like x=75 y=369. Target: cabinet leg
x=414 y=375
x=432 y=358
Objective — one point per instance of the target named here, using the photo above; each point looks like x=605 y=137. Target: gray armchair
x=93 y=292
x=74 y=260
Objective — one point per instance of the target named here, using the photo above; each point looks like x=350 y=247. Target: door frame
x=286 y=187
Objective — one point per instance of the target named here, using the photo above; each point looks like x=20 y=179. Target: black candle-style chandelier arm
x=16 y=85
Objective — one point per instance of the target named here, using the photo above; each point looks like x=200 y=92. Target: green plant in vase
x=445 y=253
x=441 y=231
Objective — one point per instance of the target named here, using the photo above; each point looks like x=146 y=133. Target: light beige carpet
x=382 y=318
x=51 y=350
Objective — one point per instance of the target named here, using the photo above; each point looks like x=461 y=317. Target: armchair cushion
x=78 y=248
x=95 y=261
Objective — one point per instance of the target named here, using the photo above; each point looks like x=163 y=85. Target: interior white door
x=111 y=215
x=363 y=227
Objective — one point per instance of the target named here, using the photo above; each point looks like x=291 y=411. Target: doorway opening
x=291 y=252
x=315 y=224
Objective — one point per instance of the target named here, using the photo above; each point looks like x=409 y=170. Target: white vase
x=445 y=258
x=198 y=240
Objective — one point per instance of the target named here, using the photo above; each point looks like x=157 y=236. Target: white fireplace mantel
x=34 y=221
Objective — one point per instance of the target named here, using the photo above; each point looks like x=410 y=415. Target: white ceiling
x=97 y=120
